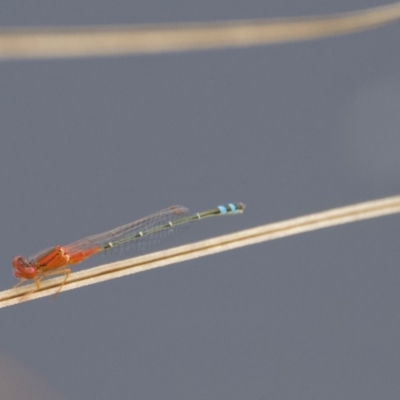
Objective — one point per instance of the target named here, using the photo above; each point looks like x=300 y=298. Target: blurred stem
x=89 y=41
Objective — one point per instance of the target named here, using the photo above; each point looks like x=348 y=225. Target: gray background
x=90 y=144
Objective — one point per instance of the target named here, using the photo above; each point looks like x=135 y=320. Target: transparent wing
x=136 y=234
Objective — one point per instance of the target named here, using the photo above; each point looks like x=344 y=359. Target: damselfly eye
x=23 y=269
x=21 y=262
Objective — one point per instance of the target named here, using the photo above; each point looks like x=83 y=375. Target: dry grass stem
x=325 y=219
x=139 y=39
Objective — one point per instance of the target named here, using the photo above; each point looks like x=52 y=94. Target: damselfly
x=153 y=228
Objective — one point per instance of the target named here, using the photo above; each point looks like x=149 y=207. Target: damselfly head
x=22 y=268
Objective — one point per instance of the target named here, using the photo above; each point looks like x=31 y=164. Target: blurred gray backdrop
x=90 y=144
